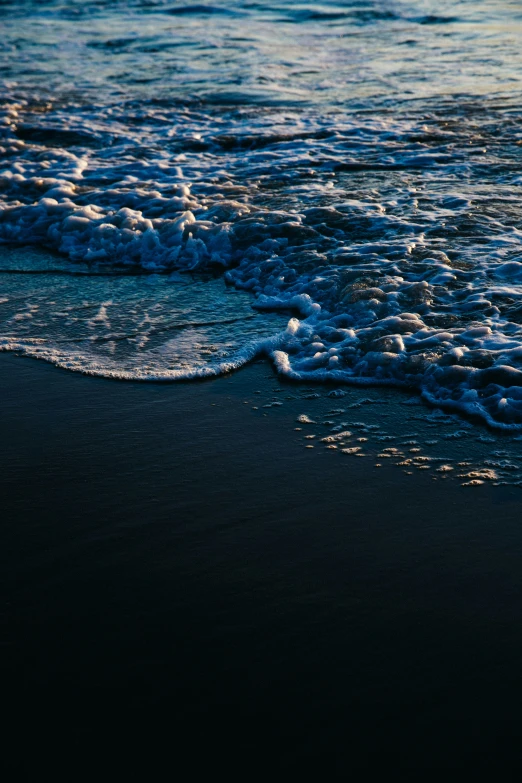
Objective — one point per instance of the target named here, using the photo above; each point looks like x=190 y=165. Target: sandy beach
x=261 y=390
x=176 y=551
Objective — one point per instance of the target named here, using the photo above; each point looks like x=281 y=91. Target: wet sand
x=179 y=565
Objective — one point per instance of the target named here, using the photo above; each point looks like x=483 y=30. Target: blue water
x=336 y=186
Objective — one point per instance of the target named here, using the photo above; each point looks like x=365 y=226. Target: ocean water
x=334 y=185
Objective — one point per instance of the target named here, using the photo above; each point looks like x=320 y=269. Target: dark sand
x=180 y=572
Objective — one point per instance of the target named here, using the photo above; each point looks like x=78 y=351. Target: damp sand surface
x=176 y=551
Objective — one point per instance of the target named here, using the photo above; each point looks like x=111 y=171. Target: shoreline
x=262 y=345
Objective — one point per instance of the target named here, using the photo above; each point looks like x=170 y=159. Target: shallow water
x=353 y=169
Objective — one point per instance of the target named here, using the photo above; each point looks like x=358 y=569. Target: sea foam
x=373 y=242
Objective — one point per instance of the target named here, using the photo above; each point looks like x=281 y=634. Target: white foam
x=362 y=294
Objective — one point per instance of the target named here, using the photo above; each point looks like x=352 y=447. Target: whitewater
x=335 y=186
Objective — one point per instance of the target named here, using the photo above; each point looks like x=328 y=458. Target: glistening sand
x=172 y=561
